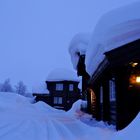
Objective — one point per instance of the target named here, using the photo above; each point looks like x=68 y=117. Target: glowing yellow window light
x=134 y=64
x=134 y=79
x=138 y=79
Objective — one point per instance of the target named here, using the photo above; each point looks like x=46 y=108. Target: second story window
x=59 y=87
x=71 y=87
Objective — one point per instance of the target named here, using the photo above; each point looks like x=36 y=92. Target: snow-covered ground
x=22 y=119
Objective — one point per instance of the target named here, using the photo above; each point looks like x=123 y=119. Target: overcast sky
x=35 y=34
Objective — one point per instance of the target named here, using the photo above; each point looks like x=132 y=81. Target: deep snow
x=62 y=74
x=40 y=87
x=79 y=44
x=114 y=29
x=22 y=119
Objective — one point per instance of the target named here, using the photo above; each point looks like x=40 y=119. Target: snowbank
x=62 y=74
x=9 y=98
x=114 y=29
x=22 y=120
x=131 y=132
x=76 y=108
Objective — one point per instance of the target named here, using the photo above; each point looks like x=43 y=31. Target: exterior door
x=91 y=101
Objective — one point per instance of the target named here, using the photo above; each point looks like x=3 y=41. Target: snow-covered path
x=20 y=119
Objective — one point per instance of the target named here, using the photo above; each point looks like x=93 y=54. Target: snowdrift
x=21 y=119
x=131 y=132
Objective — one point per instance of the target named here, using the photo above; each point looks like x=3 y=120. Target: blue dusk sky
x=35 y=34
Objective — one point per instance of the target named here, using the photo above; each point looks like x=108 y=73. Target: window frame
x=101 y=95
x=71 y=87
x=59 y=86
x=112 y=90
x=58 y=100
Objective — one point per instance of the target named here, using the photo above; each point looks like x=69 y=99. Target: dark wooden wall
x=69 y=97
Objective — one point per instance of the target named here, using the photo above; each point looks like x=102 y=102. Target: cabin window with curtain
x=57 y=100
x=59 y=87
x=71 y=87
x=112 y=90
x=101 y=94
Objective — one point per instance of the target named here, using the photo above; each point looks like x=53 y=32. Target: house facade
x=110 y=67
x=62 y=86
x=63 y=93
x=114 y=94
x=113 y=91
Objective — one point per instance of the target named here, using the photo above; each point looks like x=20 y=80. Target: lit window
x=138 y=79
x=133 y=64
x=134 y=79
x=112 y=90
x=101 y=94
x=71 y=87
x=59 y=87
x=57 y=100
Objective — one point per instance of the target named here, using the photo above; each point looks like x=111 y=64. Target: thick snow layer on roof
x=62 y=74
x=114 y=29
x=40 y=88
x=22 y=120
x=79 y=45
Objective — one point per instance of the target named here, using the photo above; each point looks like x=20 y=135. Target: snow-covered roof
x=79 y=45
x=62 y=74
x=40 y=88
x=114 y=29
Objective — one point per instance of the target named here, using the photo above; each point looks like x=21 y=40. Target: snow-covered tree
x=6 y=86
x=20 y=88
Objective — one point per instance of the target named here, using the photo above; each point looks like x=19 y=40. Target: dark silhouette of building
x=113 y=91
x=63 y=89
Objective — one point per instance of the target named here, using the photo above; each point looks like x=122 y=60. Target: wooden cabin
x=113 y=91
x=62 y=87
x=111 y=57
x=63 y=93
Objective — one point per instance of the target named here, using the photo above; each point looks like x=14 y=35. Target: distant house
x=110 y=66
x=62 y=85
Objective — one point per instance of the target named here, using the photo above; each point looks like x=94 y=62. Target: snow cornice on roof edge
x=78 y=45
x=114 y=29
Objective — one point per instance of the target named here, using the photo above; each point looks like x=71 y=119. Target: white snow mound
x=79 y=44
x=22 y=120
x=62 y=74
